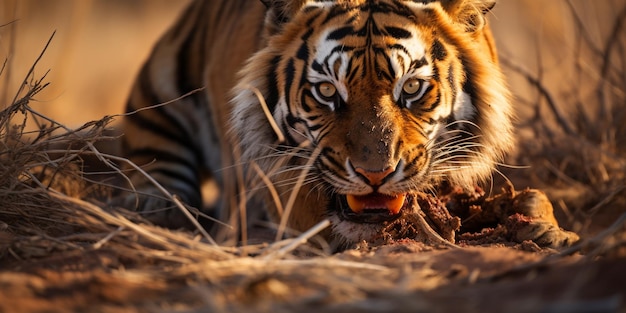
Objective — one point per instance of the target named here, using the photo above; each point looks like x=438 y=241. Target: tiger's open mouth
x=372 y=208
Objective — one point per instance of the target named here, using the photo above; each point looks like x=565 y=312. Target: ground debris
x=473 y=218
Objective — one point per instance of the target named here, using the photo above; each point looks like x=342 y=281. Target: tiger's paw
x=531 y=217
x=522 y=228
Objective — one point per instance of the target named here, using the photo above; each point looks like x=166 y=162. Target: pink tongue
x=376 y=201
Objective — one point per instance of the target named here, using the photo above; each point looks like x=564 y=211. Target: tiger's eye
x=411 y=86
x=326 y=90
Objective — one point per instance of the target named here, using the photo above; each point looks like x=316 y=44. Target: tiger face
x=376 y=100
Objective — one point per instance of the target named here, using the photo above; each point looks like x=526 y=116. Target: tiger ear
x=471 y=13
x=280 y=11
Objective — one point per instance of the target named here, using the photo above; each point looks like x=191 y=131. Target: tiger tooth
x=355 y=205
x=395 y=205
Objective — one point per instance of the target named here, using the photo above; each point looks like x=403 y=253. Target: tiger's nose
x=375 y=178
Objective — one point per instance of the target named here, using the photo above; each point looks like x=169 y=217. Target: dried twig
x=302 y=239
x=554 y=107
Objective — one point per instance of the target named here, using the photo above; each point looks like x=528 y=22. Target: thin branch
x=32 y=68
x=294 y=193
x=545 y=93
x=606 y=61
x=581 y=28
x=302 y=239
x=268 y=114
x=159 y=104
x=614 y=38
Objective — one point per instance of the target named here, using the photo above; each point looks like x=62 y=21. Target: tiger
x=346 y=107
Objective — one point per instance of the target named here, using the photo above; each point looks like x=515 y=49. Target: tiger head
x=375 y=100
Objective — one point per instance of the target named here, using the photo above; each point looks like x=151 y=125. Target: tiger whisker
x=453 y=141
x=445 y=157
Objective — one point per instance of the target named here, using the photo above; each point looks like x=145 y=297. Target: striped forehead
x=350 y=36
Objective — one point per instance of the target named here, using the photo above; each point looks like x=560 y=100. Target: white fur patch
x=464 y=110
x=351 y=232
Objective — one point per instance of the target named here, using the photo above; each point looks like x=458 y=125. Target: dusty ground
x=59 y=254
x=405 y=277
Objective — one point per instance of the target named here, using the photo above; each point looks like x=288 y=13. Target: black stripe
x=309 y=9
x=306 y=94
x=316 y=66
x=179 y=132
x=314 y=127
x=374 y=28
x=303 y=76
x=186 y=58
x=144 y=83
x=179 y=177
x=172 y=129
x=389 y=64
x=398 y=33
x=352 y=71
x=468 y=86
x=290 y=71
x=271 y=98
x=303 y=51
x=435 y=103
x=405 y=11
x=326 y=154
x=398 y=47
x=340 y=33
x=341 y=48
x=290 y=122
x=418 y=63
x=438 y=52
x=364 y=32
x=334 y=12
x=324 y=132
x=142 y=122
x=420 y=129
x=453 y=91
x=416 y=159
x=385 y=71
x=312 y=19
x=163 y=156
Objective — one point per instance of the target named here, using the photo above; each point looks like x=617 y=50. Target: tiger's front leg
x=525 y=215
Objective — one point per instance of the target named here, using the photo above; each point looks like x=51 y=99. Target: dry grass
x=48 y=228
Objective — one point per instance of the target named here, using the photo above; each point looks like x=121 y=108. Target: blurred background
x=99 y=46
x=97 y=49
